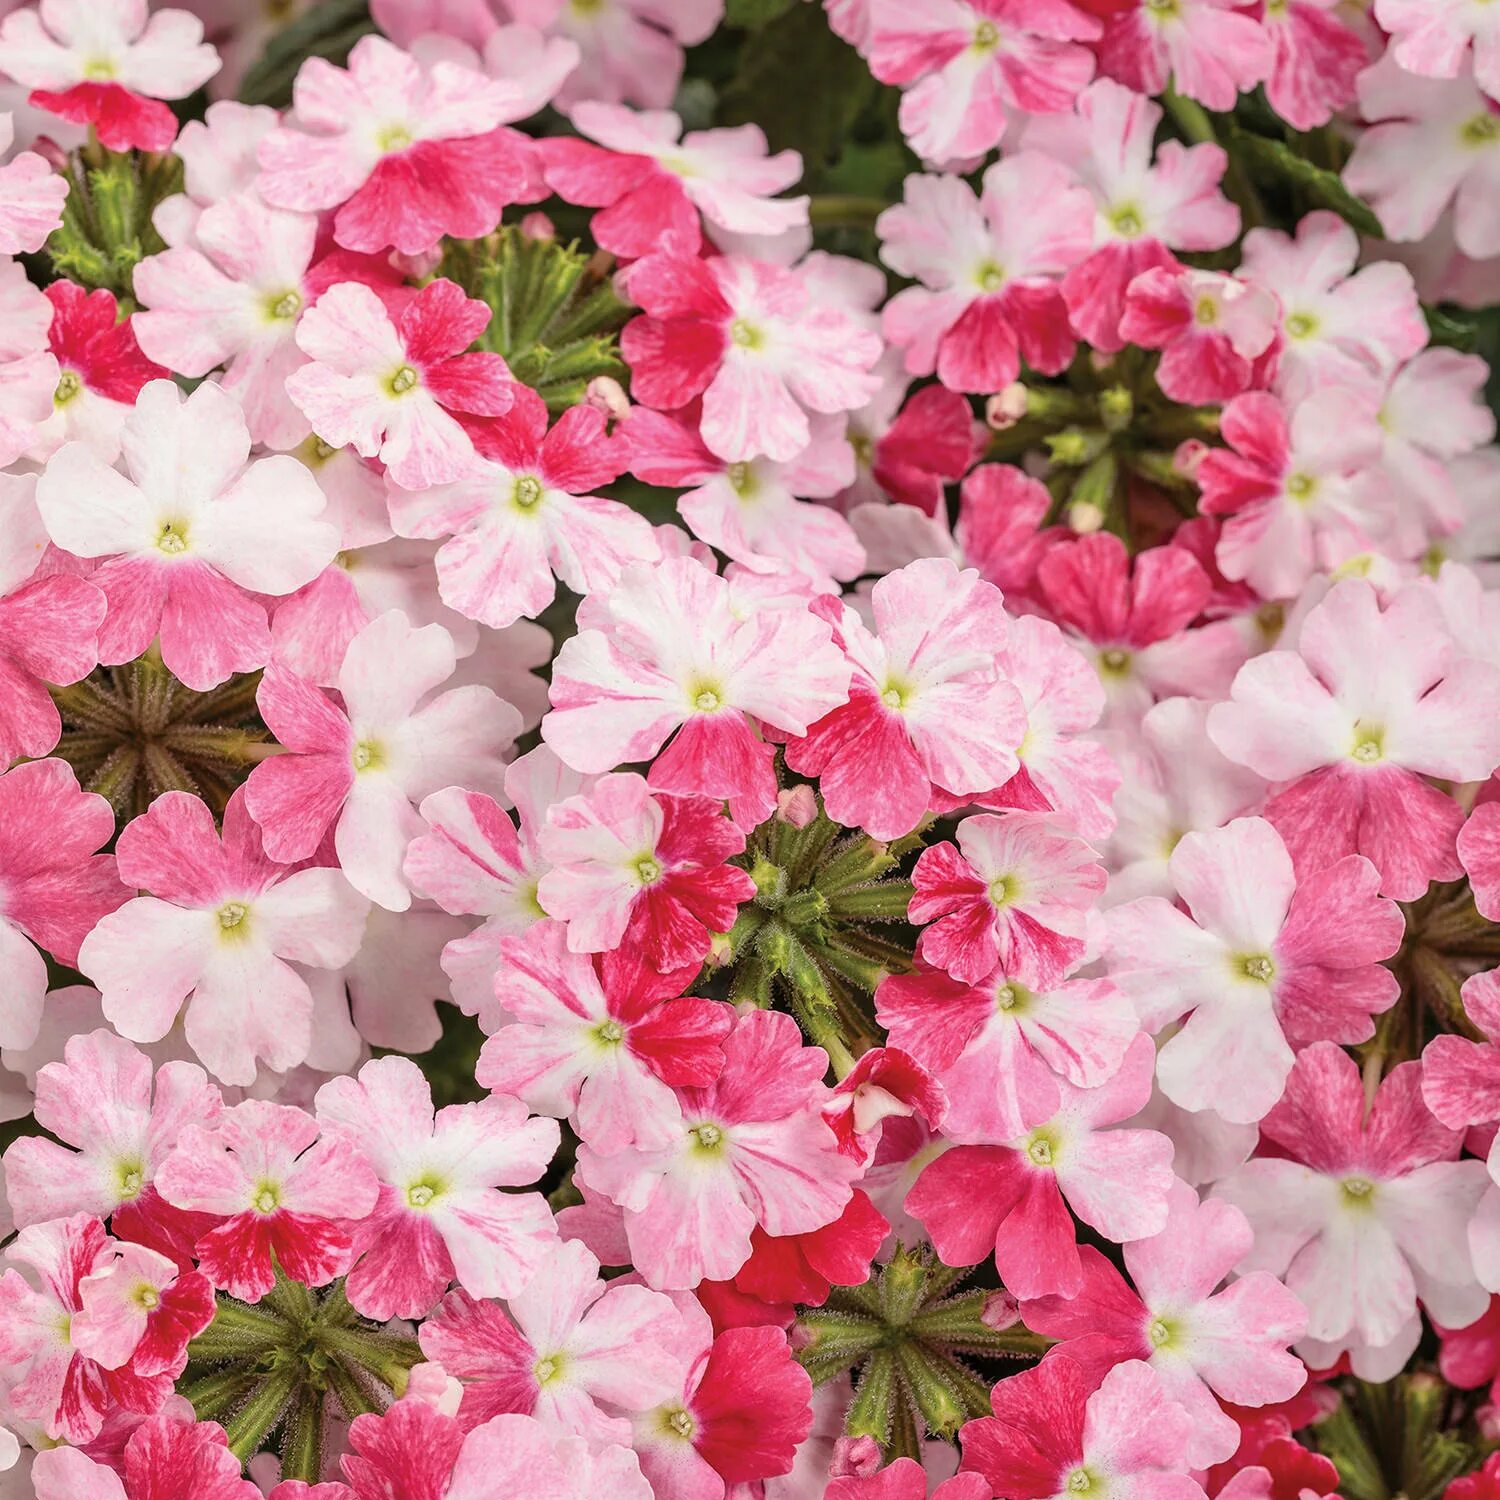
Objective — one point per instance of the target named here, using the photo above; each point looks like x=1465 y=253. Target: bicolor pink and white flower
x=142 y=1311
x=1208 y=50
x=165 y=1458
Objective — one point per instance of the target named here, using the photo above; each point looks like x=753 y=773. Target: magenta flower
x=165 y=1458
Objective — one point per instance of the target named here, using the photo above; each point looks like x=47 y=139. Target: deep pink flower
x=1050 y=1437
x=748 y=337
x=53 y=886
x=602 y=1041
x=804 y=1268
x=1372 y=700
x=194 y=538
x=283 y=1191
x=1479 y=853
x=577 y=1353
x=402 y=390
x=1217 y=334
x=931 y=443
x=906 y=1479
x=1209 y=50
x=650 y=182
x=218 y=935
x=1014 y=892
x=405 y=154
x=1012 y=1201
x=442 y=1214
x=990 y=288
x=930 y=711
x=103 y=63
x=1260 y=962
x=1000 y=515
x=525 y=514
x=165 y=1458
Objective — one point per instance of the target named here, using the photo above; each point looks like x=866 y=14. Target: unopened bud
x=1188 y=456
x=607 y=395
x=417 y=267
x=854 y=1458
x=537 y=226
x=720 y=951
x=1085 y=517
x=50 y=152
x=1005 y=408
x=1001 y=1311
x=1487 y=1419
x=796 y=805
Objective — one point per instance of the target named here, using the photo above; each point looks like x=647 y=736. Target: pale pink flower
x=990 y=273
x=1372 y=700
x=53 y=886
x=754 y=1149
x=29 y=372
x=31 y=196
x=1260 y=962
x=1209 y=50
x=1434 y=38
x=104 y=63
x=650 y=182
x=404 y=391
x=101 y=1099
x=404 y=153
x=646 y=872
x=282 y=1190
x=1342 y=326
x=142 y=1311
x=218 y=936
x=218 y=162
x=577 y=1353
x=1014 y=892
x=751 y=340
x=966 y=65
x=525 y=514
x=359 y=767
x=930 y=712
x=192 y=537
x=442 y=1214
x=604 y=1042
x=1363 y=1211
x=676 y=661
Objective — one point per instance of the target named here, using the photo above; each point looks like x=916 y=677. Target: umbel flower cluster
x=748 y=750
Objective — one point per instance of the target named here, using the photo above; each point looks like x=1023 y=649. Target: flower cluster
x=696 y=808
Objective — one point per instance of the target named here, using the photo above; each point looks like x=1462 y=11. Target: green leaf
x=329 y=30
x=1451 y=328
x=753 y=14
x=1276 y=164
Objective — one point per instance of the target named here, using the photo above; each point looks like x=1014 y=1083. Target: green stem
x=1189 y=117
x=845 y=211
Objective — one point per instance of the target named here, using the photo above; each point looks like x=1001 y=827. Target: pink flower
x=219 y=936
x=750 y=339
x=28 y=371
x=966 y=63
x=707 y=1442
x=1371 y=701
x=442 y=1213
x=282 y=1190
x=1050 y=1437
x=753 y=1150
x=102 y=371
x=750 y=510
x=989 y=274
x=1316 y=60
x=930 y=711
x=52 y=1384
x=1202 y=1343
x=603 y=1042
x=1362 y=1211
x=1015 y=892
x=235 y=297
x=1341 y=326
x=192 y=536
x=650 y=182
x=1143 y=209
x=403 y=391
x=804 y=1268
x=103 y=63
x=1300 y=483
x=1209 y=50
x=1479 y=853
x=930 y=442
x=141 y=1311
x=525 y=515
x=631 y=49
x=1260 y=962
x=1434 y=39
x=101 y=1099
x=646 y=872
x=905 y=1479
x=405 y=154
x=577 y=1353
x=1012 y=1200
x=676 y=661
x=474 y=861
x=31 y=195
x=998 y=1047
x=358 y=768
x=165 y=1458
x=53 y=886
x=1213 y=331
x=1429 y=143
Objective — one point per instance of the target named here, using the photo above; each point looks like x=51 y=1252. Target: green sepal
x=933 y=1387
x=871 y=1413
x=248 y=1426
x=886 y=902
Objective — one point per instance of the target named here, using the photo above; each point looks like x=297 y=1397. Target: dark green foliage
x=328 y=30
